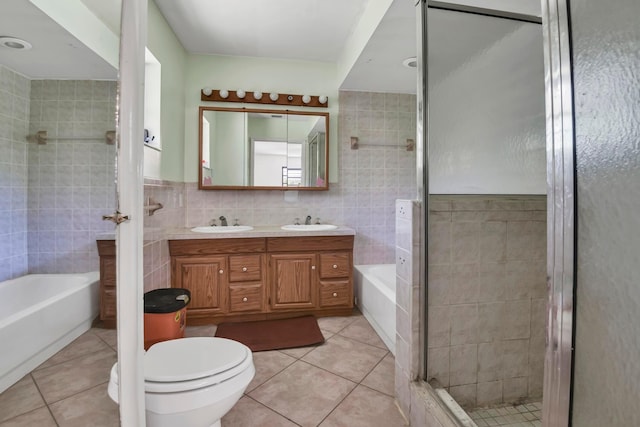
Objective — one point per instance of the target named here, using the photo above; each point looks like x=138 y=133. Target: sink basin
x=310 y=227
x=221 y=229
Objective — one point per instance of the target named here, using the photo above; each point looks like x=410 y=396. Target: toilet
x=192 y=382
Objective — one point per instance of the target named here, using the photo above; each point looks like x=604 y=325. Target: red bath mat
x=275 y=334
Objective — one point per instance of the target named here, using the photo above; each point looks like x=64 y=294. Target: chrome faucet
x=307 y=220
x=223 y=221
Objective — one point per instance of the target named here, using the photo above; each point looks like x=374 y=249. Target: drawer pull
x=313 y=267
x=245 y=299
x=335 y=294
x=244 y=268
x=335 y=265
x=221 y=271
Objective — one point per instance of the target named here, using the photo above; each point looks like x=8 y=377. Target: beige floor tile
x=336 y=324
x=345 y=357
x=298 y=352
x=40 y=417
x=303 y=393
x=85 y=344
x=20 y=398
x=109 y=336
x=68 y=378
x=361 y=330
x=268 y=363
x=200 y=331
x=92 y=408
x=249 y=413
x=382 y=378
x=365 y=408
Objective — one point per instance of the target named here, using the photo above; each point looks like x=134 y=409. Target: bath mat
x=274 y=334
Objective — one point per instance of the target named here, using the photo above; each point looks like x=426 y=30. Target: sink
x=310 y=227
x=222 y=229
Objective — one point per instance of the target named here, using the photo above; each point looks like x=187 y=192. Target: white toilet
x=192 y=382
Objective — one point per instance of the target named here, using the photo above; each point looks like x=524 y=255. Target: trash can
x=165 y=314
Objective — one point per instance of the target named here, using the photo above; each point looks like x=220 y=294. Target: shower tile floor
x=347 y=381
x=525 y=415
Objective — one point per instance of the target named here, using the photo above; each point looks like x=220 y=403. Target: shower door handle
x=116 y=218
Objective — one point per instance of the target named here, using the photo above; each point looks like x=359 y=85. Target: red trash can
x=165 y=314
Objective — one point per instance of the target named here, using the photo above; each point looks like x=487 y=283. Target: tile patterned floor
x=525 y=415
x=348 y=381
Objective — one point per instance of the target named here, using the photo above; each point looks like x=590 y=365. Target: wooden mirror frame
x=201 y=186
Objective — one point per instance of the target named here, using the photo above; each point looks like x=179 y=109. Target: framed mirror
x=255 y=149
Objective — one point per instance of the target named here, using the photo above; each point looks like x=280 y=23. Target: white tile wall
x=14 y=117
x=71 y=182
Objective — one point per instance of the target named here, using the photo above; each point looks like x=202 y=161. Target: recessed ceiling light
x=410 y=62
x=14 y=43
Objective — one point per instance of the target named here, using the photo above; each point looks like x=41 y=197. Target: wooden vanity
x=235 y=279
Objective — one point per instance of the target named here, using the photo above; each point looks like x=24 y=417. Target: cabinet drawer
x=245 y=297
x=335 y=265
x=335 y=293
x=245 y=268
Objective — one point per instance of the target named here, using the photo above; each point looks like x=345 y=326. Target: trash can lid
x=166 y=300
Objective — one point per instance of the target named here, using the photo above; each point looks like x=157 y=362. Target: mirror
x=244 y=148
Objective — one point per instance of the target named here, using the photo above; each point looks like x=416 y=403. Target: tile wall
x=370 y=180
x=487 y=297
x=70 y=182
x=14 y=122
x=156 y=260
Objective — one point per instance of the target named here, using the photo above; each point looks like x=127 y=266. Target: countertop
x=258 y=231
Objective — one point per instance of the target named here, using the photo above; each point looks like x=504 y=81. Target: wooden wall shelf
x=283 y=99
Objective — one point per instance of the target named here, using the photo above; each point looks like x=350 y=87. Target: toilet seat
x=192 y=363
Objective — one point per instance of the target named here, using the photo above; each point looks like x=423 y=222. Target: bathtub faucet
x=223 y=221
x=307 y=220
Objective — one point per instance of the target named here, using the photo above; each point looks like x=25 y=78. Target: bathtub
x=375 y=292
x=39 y=315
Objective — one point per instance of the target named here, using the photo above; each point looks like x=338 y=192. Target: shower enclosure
x=486 y=193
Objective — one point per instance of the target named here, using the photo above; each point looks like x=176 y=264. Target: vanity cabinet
x=261 y=278
x=107 y=253
x=224 y=276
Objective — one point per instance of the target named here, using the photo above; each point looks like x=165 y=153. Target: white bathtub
x=39 y=315
x=375 y=292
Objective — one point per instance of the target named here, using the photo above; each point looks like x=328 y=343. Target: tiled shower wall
x=14 y=119
x=487 y=297
x=70 y=182
x=370 y=180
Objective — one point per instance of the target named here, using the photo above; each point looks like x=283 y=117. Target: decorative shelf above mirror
x=255 y=149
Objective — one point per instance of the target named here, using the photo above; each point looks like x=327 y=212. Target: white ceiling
x=56 y=54
x=311 y=30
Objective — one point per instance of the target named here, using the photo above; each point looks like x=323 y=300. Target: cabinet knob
x=335 y=294
x=244 y=268
x=245 y=299
x=221 y=271
x=313 y=267
x=335 y=265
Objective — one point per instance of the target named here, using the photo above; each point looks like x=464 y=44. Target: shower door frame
x=561 y=202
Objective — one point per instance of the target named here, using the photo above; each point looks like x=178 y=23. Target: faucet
x=223 y=221
x=307 y=220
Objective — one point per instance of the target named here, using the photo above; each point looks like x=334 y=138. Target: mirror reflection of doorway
x=276 y=163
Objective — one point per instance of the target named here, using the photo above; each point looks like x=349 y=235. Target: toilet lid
x=192 y=358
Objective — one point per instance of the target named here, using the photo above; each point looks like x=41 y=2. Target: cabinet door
x=206 y=278
x=293 y=281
